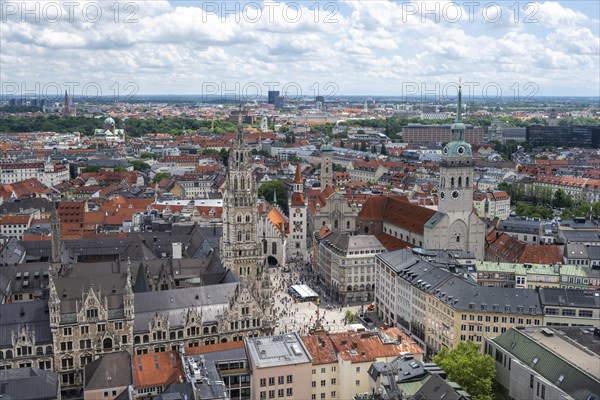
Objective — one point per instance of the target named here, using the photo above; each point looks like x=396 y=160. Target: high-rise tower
x=240 y=249
x=56 y=261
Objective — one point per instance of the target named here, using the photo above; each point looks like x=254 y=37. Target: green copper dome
x=326 y=146
x=457 y=147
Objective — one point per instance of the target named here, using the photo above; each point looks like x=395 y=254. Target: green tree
x=224 y=153
x=91 y=169
x=383 y=149
x=561 y=199
x=266 y=190
x=119 y=169
x=342 y=144
x=355 y=146
x=147 y=154
x=139 y=165
x=159 y=176
x=465 y=365
x=363 y=146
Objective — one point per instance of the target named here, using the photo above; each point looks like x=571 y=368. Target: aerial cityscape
x=348 y=200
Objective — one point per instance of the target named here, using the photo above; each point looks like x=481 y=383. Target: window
x=568 y=312
x=280 y=381
x=263 y=382
x=543 y=391
x=357 y=369
x=358 y=383
x=314 y=383
x=93 y=313
x=101 y=327
x=585 y=313
x=322 y=395
x=272 y=381
x=280 y=393
x=263 y=395
x=333 y=394
x=289 y=392
x=531 y=381
x=314 y=371
x=323 y=383
x=290 y=379
x=271 y=394
x=84 y=330
x=333 y=381
x=322 y=370
x=68 y=331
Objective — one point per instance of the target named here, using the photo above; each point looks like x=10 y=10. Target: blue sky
x=359 y=47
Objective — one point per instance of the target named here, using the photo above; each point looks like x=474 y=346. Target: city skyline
x=379 y=48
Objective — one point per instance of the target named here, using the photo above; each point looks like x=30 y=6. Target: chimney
x=354 y=345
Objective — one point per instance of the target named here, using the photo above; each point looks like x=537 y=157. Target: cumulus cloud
x=364 y=46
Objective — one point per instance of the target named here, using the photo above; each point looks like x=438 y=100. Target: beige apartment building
x=340 y=361
x=280 y=367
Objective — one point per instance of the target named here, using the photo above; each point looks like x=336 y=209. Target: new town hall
x=212 y=287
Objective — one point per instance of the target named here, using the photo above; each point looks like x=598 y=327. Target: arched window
x=239 y=218
x=335 y=224
x=213 y=329
x=49 y=350
x=458 y=239
x=234 y=183
x=247 y=218
x=146 y=338
x=264 y=246
x=366 y=230
x=247 y=236
x=274 y=248
x=467 y=181
x=452 y=182
x=107 y=344
x=459 y=181
x=348 y=225
x=172 y=335
x=9 y=354
x=239 y=236
x=243 y=183
x=205 y=330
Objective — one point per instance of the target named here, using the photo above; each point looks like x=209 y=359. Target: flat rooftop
x=275 y=351
x=577 y=345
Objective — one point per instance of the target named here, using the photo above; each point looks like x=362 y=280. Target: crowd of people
x=302 y=317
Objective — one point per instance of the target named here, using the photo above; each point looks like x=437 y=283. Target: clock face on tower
x=298 y=210
x=442 y=195
x=445 y=150
x=455 y=194
x=461 y=150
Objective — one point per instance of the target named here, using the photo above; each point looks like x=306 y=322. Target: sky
x=303 y=48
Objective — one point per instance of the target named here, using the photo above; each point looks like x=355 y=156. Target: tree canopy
x=465 y=365
x=267 y=189
x=159 y=176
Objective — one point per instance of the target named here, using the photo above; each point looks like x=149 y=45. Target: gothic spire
x=239 y=132
x=55 y=231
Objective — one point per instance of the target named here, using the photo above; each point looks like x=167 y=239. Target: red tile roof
x=541 y=254
x=156 y=369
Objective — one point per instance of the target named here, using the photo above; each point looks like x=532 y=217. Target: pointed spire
x=240 y=124
x=459 y=107
x=298 y=177
x=274 y=197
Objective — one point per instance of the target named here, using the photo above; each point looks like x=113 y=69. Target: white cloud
x=373 y=47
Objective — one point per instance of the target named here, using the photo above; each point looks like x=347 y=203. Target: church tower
x=460 y=228
x=296 y=243
x=241 y=251
x=456 y=169
x=326 y=165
